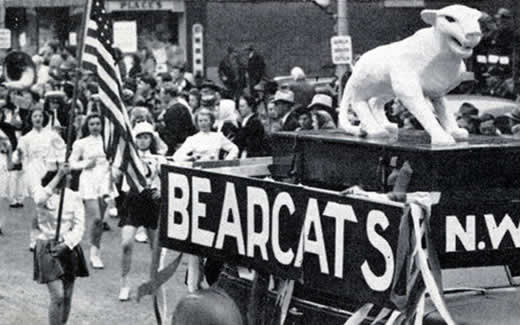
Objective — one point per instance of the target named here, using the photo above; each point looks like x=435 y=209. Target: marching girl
x=142 y=208
x=7 y=141
x=88 y=155
x=57 y=264
x=34 y=150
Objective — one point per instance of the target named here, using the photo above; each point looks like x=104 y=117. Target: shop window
x=15 y=18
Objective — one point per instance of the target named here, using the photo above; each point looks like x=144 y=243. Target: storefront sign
x=336 y=244
x=133 y=5
x=73 y=38
x=125 y=36
x=5 y=38
x=341 y=47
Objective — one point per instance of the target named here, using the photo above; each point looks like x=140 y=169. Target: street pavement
x=95 y=300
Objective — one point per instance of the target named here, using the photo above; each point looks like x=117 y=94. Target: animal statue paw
x=375 y=132
x=354 y=130
x=442 y=139
x=459 y=133
x=391 y=127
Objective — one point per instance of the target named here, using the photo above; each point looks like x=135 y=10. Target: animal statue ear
x=429 y=16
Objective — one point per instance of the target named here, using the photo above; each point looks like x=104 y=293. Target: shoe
x=1 y=232
x=141 y=237
x=96 y=262
x=16 y=205
x=106 y=226
x=32 y=245
x=124 y=294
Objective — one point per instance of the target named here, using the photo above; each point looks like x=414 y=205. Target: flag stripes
x=98 y=57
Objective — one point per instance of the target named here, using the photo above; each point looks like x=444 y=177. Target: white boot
x=95 y=260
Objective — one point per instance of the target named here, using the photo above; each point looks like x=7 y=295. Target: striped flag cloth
x=98 y=57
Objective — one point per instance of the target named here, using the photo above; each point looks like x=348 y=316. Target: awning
x=43 y=3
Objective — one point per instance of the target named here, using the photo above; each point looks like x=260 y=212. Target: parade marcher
x=55 y=107
x=250 y=137
x=34 y=150
x=88 y=155
x=57 y=264
x=8 y=143
x=142 y=208
x=15 y=116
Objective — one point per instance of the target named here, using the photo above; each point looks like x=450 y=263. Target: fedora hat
x=284 y=95
x=321 y=99
x=514 y=114
x=467 y=110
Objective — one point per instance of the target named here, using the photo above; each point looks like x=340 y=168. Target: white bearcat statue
x=419 y=71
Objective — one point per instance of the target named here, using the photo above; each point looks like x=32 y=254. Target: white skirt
x=4 y=177
x=95 y=183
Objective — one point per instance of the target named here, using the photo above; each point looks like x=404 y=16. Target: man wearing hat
x=467 y=118
x=505 y=36
x=323 y=102
x=177 y=119
x=284 y=102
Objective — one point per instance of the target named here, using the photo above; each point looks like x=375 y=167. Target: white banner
x=125 y=36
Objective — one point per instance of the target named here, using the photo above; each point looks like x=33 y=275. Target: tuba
x=19 y=70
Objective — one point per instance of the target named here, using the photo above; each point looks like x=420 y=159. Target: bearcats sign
x=337 y=244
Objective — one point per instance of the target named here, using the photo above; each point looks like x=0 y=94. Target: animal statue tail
x=343 y=118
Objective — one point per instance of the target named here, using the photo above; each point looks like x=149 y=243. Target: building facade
x=286 y=32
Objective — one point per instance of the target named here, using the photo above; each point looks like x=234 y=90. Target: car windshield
x=476 y=277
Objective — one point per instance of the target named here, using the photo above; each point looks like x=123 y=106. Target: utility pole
x=342 y=24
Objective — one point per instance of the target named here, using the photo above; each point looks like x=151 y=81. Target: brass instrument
x=19 y=70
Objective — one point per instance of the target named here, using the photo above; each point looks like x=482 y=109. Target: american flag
x=98 y=57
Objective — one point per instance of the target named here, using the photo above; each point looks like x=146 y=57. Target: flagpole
x=77 y=75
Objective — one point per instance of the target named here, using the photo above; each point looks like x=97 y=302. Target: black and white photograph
x=260 y=162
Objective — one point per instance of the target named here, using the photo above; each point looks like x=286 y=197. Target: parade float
x=355 y=228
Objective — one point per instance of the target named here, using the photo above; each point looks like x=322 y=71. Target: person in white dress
x=6 y=148
x=142 y=208
x=35 y=150
x=204 y=145
x=95 y=185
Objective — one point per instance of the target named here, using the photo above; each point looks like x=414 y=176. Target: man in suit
x=255 y=67
x=284 y=101
x=250 y=137
x=177 y=119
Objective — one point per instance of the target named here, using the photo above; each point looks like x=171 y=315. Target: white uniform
x=4 y=176
x=38 y=149
x=93 y=182
x=206 y=146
